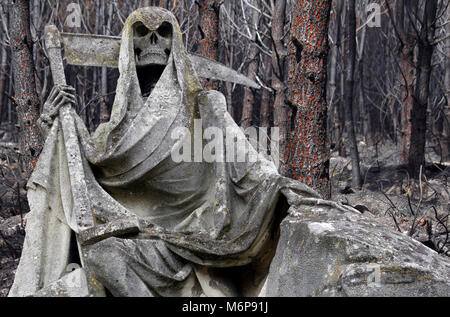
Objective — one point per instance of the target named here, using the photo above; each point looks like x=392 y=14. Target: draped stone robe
x=196 y=215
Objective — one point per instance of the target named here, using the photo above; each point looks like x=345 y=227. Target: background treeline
x=383 y=84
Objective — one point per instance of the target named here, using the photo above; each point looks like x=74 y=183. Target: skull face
x=152 y=47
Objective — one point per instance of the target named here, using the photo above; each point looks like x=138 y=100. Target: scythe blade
x=103 y=51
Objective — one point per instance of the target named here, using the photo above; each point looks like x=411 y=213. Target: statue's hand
x=59 y=96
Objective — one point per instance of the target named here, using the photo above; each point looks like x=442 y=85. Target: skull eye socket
x=141 y=30
x=165 y=30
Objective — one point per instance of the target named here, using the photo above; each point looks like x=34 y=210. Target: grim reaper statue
x=157 y=227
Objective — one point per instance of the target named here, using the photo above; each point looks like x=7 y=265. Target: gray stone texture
x=322 y=253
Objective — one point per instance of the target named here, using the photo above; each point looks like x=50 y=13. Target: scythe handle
x=81 y=205
x=88 y=233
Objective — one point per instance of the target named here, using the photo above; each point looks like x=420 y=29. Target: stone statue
x=138 y=223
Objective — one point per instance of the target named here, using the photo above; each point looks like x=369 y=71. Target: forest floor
x=13 y=209
x=419 y=209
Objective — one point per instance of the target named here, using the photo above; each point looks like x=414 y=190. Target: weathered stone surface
x=334 y=253
x=84 y=187
x=101 y=50
x=114 y=228
x=73 y=284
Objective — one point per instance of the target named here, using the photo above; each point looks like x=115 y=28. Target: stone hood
x=139 y=129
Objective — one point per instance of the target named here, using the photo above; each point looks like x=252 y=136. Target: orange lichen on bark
x=26 y=97
x=209 y=29
x=308 y=157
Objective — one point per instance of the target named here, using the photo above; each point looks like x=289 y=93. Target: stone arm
x=60 y=96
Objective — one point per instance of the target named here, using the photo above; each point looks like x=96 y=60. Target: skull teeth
x=142 y=56
x=151 y=53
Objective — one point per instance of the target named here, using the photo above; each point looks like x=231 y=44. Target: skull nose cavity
x=153 y=39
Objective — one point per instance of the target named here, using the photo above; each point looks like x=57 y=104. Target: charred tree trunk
x=249 y=94
x=416 y=155
x=107 y=15
x=280 y=110
x=333 y=59
x=228 y=58
x=308 y=147
x=445 y=134
x=407 y=90
x=266 y=105
x=26 y=97
x=3 y=72
x=209 y=34
x=404 y=28
x=335 y=75
x=4 y=69
x=446 y=114
x=349 y=61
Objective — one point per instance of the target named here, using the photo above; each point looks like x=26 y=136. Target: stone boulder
x=323 y=253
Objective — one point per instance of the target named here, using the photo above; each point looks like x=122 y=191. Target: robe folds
x=196 y=214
